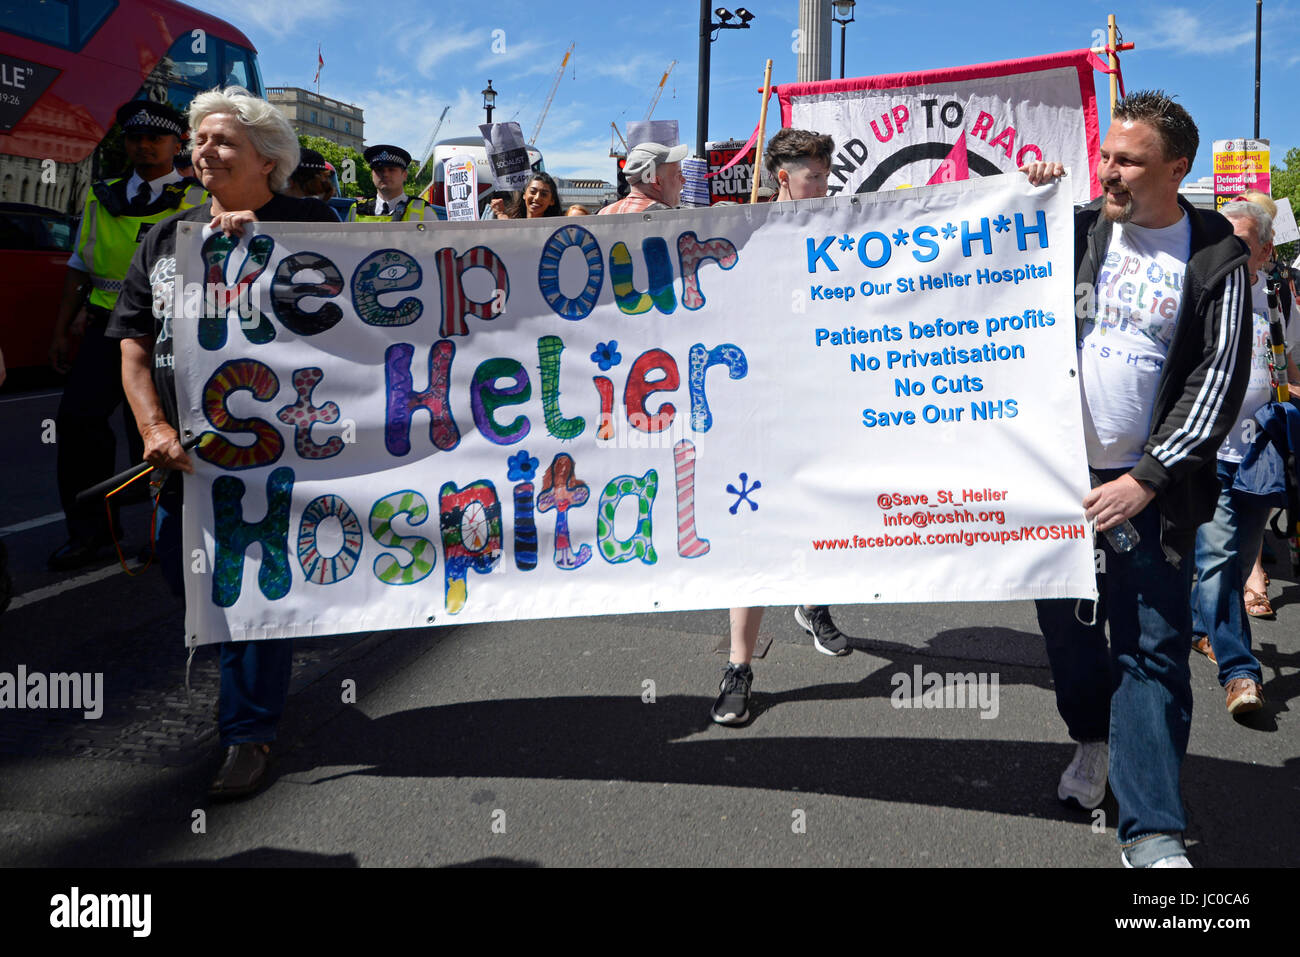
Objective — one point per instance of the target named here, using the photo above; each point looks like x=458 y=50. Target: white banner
x=855 y=399
x=912 y=129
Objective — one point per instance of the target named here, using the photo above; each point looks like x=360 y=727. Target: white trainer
x=1084 y=781
x=1174 y=860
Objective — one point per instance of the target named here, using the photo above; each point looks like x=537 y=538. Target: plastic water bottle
x=1124 y=537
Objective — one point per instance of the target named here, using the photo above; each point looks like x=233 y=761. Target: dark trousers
x=254 y=674
x=86 y=446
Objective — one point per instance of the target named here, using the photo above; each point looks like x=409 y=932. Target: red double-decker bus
x=65 y=68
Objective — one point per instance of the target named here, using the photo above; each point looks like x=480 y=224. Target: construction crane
x=428 y=146
x=612 y=151
x=660 y=92
x=559 y=75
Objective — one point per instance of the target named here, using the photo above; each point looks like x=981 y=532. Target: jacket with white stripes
x=1205 y=375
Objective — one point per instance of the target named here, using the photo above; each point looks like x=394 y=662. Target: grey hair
x=1256 y=214
x=268 y=130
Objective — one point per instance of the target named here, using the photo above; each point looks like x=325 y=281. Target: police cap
x=383 y=155
x=145 y=116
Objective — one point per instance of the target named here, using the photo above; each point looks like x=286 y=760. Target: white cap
x=643 y=158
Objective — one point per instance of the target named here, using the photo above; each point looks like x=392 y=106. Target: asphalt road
x=541 y=743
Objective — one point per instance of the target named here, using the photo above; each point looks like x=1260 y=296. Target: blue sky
x=405 y=67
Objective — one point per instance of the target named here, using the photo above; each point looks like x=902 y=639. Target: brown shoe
x=1202 y=644
x=1244 y=695
x=243 y=772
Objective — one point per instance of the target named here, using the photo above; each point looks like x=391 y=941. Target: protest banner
x=1239 y=165
x=910 y=129
x=864 y=398
x=461 y=179
x=507 y=153
x=731 y=184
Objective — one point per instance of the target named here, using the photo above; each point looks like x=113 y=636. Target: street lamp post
x=489 y=101
x=843 y=15
x=708 y=33
x=1259 y=24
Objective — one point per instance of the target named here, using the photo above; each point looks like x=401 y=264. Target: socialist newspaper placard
x=863 y=398
x=910 y=129
x=734 y=183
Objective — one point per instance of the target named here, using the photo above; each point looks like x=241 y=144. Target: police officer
x=118 y=213
x=388 y=165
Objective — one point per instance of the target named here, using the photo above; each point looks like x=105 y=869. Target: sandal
x=1202 y=644
x=1257 y=605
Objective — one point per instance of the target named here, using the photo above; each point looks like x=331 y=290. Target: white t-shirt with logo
x=1260 y=390
x=1124 y=345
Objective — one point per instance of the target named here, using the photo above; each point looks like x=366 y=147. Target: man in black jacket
x=1163 y=323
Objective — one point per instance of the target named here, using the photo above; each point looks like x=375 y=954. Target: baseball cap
x=644 y=157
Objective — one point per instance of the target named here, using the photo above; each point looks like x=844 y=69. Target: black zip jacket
x=1204 y=377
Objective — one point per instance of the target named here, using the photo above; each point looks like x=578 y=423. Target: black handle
x=96 y=492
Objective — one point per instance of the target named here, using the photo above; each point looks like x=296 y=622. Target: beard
x=1118 y=213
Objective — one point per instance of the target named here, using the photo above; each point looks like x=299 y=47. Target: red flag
x=955 y=166
x=320 y=62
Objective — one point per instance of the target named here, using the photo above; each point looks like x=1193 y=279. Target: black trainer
x=732 y=706
x=816 y=620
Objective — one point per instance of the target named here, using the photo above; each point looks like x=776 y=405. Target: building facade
x=314 y=115
x=592 y=193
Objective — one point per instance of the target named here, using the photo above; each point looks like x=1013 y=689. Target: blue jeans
x=1137 y=693
x=254 y=674
x=1225 y=553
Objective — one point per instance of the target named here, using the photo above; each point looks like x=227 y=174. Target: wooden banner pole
x=1111 y=38
x=762 y=134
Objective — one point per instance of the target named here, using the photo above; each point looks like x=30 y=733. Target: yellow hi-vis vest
x=111 y=231
x=416 y=211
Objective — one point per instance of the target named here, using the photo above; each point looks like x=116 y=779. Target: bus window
x=236 y=69
x=183 y=74
x=61 y=23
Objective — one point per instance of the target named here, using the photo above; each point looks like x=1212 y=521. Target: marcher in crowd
x=1228 y=545
x=654 y=177
x=1157 y=404
x=244 y=151
x=540 y=197
x=799 y=162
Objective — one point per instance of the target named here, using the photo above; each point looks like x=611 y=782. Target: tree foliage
x=351 y=166
x=363 y=186
x=418 y=177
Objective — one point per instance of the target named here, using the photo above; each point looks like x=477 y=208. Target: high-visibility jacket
x=111 y=230
x=415 y=211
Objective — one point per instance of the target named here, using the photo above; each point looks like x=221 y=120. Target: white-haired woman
x=244 y=150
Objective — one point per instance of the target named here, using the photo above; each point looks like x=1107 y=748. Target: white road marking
x=24 y=398
x=49 y=591
x=31 y=523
